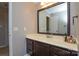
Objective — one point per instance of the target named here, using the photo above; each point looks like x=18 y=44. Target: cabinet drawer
x=41 y=49
x=41 y=44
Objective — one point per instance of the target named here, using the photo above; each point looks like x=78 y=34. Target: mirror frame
x=68 y=18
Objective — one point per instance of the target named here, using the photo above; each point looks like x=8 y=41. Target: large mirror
x=54 y=19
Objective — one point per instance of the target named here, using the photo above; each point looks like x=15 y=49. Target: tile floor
x=4 y=51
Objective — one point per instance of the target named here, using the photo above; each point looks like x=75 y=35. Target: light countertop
x=53 y=40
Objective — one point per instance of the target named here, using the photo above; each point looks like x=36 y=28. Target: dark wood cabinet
x=29 y=46
x=58 y=51
x=41 y=49
x=36 y=48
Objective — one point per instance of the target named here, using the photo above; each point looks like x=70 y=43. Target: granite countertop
x=53 y=40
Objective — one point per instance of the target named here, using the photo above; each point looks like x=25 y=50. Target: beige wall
x=26 y=12
x=23 y=16
x=74 y=8
x=75 y=12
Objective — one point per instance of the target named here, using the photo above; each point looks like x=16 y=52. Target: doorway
x=4 y=41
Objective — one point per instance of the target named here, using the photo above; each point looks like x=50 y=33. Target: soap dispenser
x=65 y=38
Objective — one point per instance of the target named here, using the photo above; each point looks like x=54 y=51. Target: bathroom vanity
x=41 y=45
x=54 y=19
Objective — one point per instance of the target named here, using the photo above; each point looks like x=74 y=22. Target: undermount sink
x=49 y=36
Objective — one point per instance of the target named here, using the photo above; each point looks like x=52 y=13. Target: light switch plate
x=24 y=28
x=15 y=29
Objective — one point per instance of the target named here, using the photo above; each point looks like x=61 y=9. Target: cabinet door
x=41 y=49
x=58 y=51
x=29 y=46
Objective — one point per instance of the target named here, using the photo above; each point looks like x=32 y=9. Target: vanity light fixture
x=45 y=4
